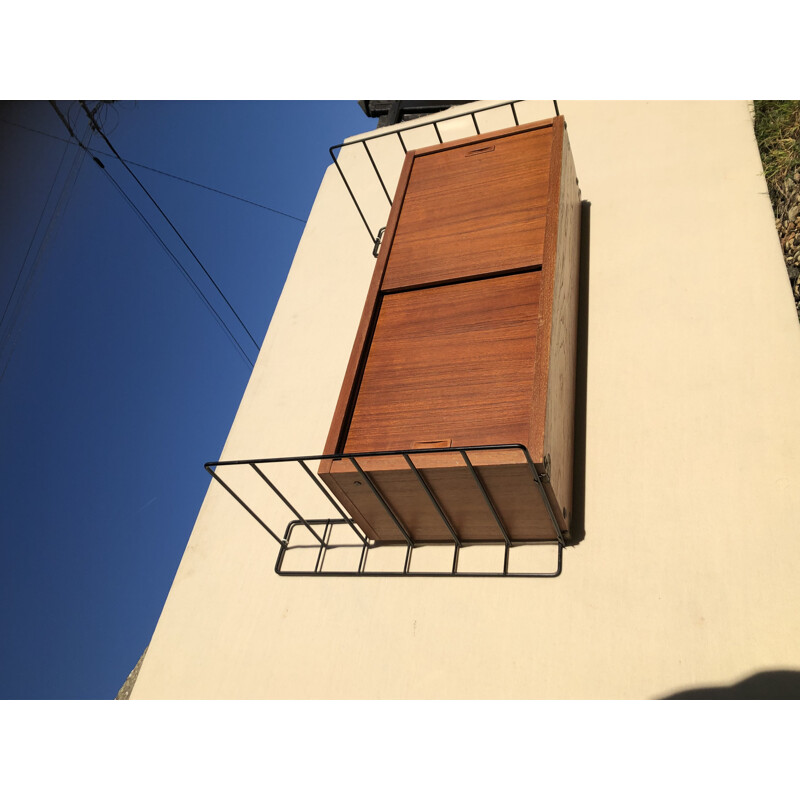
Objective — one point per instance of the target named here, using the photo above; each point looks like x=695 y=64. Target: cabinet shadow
x=577 y=526
x=781 y=684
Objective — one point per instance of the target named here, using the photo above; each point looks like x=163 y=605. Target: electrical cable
x=163 y=244
x=169 y=222
x=96 y=151
x=210 y=189
x=180 y=266
x=35 y=234
x=33 y=273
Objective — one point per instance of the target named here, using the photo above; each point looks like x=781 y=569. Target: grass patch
x=777 y=127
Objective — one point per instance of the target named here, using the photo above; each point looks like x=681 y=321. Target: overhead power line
x=163 y=244
x=96 y=151
x=180 y=266
x=8 y=340
x=212 y=189
x=35 y=234
x=111 y=147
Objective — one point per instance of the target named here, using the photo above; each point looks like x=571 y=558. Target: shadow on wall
x=577 y=526
x=782 y=684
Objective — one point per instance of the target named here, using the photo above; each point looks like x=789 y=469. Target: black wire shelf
x=328 y=541
x=332 y=544
x=436 y=124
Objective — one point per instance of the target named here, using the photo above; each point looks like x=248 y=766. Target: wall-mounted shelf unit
x=467 y=342
x=497 y=527
x=468 y=335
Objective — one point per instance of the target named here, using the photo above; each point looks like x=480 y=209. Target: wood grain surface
x=467 y=339
x=472 y=210
x=560 y=408
x=511 y=488
x=542 y=376
x=450 y=362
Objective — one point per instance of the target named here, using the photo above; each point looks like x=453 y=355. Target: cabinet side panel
x=560 y=409
x=542 y=373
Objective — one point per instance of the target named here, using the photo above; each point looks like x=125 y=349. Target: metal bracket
x=378 y=240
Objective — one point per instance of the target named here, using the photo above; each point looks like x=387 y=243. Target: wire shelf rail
x=336 y=150
x=339 y=533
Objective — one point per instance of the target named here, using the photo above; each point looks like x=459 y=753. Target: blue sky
x=117 y=381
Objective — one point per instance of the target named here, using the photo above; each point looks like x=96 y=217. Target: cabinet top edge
x=484 y=137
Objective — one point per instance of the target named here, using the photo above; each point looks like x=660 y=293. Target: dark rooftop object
x=390 y=112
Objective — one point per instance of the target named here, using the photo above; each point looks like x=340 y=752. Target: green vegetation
x=777 y=125
x=777 y=128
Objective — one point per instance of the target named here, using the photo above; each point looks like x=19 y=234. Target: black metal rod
x=399 y=134
x=283 y=550
x=352 y=196
x=406 y=570
x=543 y=494
x=322 y=550
x=378 y=240
x=377 y=171
x=485 y=496
x=555 y=104
x=287 y=503
x=246 y=508
x=362 y=562
x=330 y=497
x=340 y=574
x=380 y=497
x=456 y=115
x=397 y=543
x=365 y=454
x=435 y=502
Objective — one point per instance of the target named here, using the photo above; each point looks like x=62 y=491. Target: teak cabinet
x=468 y=338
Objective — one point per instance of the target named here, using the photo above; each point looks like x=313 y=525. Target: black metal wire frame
x=375 y=239
x=367 y=545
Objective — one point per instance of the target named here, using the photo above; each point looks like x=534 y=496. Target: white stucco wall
x=688 y=573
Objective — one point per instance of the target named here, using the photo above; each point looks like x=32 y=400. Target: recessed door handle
x=479 y=150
